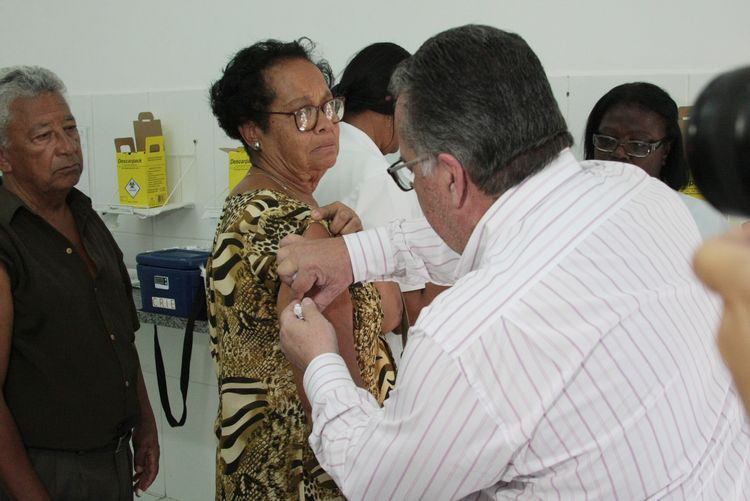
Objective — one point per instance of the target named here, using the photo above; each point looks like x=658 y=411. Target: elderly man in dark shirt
x=72 y=392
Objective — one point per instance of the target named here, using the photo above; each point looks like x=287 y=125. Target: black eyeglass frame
x=401 y=164
x=652 y=145
x=334 y=118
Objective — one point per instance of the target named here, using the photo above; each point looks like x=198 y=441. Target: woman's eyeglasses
x=638 y=149
x=307 y=118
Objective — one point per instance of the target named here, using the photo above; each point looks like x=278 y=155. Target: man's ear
x=455 y=178
x=5 y=165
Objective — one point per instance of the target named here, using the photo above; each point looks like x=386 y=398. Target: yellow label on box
x=142 y=175
x=239 y=164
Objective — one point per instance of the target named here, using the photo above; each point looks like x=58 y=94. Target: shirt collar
x=536 y=202
x=10 y=203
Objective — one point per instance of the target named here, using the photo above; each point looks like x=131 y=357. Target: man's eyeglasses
x=307 y=118
x=402 y=172
x=637 y=149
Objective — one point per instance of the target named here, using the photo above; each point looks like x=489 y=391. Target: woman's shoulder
x=262 y=218
x=267 y=196
x=261 y=204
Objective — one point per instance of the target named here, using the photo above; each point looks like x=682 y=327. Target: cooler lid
x=178 y=259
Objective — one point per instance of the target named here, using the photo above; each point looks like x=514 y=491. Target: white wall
x=119 y=58
x=114 y=46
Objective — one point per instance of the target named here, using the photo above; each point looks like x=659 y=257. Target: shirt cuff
x=410 y=286
x=370 y=254
x=324 y=373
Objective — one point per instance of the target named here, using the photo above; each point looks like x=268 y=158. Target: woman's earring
x=255 y=145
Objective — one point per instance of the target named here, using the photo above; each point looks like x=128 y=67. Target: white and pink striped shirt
x=574 y=357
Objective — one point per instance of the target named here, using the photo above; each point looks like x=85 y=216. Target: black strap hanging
x=199 y=306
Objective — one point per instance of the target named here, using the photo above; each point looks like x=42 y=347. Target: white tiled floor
x=186 y=467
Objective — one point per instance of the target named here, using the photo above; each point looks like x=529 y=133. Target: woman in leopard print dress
x=275 y=100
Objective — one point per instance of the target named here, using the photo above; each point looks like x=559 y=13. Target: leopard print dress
x=261 y=428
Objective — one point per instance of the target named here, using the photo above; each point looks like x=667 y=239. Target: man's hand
x=146 y=454
x=319 y=269
x=724 y=265
x=303 y=339
x=341 y=219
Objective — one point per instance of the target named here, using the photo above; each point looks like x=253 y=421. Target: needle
x=298 y=311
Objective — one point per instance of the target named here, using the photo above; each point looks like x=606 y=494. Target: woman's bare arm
x=339 y=313
x=418 y=299
x=390 y=298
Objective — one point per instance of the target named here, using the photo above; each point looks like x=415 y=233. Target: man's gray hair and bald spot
x=480 y=94
x=23 y=81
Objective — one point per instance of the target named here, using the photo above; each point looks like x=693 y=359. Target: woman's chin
x=321 y=165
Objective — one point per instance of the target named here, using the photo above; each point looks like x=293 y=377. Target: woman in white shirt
x=637 y=123
x=359 y=177
x=367 y=131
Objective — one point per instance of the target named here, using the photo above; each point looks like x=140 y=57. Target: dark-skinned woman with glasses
x=637 y=123
x=277 y=101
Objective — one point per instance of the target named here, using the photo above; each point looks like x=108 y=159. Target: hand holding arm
x=323 y=269
x=341 y=219
x=338 y=312
x=319 y=268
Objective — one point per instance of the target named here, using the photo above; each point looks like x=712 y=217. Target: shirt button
x=127 y=384
x=69 y=251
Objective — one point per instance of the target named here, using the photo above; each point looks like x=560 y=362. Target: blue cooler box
x=170 y=280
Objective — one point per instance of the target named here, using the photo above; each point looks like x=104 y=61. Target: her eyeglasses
x=402 y=172
x=637 y=149
x=306 y=118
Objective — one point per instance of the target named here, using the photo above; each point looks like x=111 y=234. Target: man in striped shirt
x=572 y=359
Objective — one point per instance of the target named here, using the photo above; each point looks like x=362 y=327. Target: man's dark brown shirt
x=73 y=368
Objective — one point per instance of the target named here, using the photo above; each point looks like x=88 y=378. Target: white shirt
x=358 y=159
x=574 y=357
x=359 y=179
x=711 y=223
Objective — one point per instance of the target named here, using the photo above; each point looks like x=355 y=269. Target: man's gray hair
x=482 y=95
x=23 y=81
